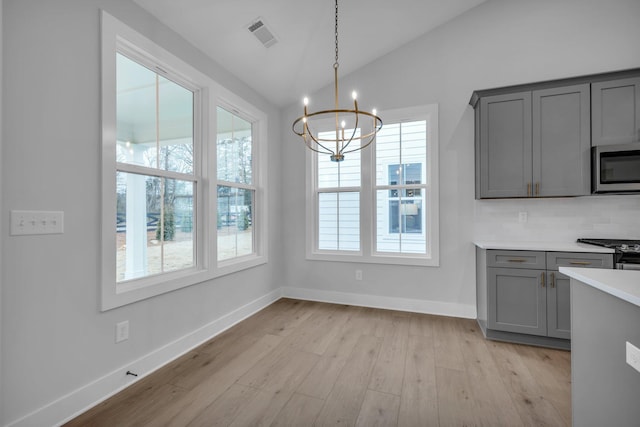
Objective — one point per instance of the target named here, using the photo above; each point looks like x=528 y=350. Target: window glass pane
x=414 y=151
x=235 y=222
x=400 y=223
x=234 y=145
x=387 y=153
x=153 y=115
x=339 y=174
x=154 y=227
x=175 y=127
x=339 y=221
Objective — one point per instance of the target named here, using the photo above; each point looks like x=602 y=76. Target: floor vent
x=262 y=33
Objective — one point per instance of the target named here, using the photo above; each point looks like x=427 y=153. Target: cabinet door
x=516 y=300
x=558 y=305
x=505 y=145
x=561 y=141
x=615 y=111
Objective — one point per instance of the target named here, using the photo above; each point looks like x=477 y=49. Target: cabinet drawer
x=578 y=259
x=516 y=259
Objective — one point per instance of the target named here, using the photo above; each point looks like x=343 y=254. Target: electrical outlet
x=633 y=356
x=122 y=331
x=358 y=274
x=36 y=222
x=522 y=217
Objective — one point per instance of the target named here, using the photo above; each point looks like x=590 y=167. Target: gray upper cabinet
x=534 y=144
x=561 y=143
x=615 y=111
x=534 y=140
x=505 y=145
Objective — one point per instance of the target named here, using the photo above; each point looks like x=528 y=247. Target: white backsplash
x=558 y=220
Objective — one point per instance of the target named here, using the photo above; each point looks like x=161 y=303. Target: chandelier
x=338 y=144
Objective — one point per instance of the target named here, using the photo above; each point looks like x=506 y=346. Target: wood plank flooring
x=301 y=363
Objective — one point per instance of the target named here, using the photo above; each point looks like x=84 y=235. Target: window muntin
x=235 y=191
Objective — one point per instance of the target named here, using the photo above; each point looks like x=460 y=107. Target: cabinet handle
x=517 y=260
x=553 y=280
x=542 y=281
x=579 y=263
x=537 y=188
x=528 y=189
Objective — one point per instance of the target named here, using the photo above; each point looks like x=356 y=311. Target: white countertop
x=542 y=246
x=624 y=284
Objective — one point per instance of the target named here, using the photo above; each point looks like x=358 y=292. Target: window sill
x=357 y=257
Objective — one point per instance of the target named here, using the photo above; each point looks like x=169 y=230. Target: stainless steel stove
x=627 y=255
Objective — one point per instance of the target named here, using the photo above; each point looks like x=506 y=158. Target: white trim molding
x=466 y=311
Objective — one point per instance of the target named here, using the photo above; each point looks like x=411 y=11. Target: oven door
x=616 y=168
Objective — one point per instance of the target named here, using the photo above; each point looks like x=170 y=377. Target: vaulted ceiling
x=301 y=61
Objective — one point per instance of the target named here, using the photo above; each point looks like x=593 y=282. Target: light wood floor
x=300 y=363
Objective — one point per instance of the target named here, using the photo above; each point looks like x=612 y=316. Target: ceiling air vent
x=262 y=33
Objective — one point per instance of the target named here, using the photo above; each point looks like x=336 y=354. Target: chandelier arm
x=353 y=134
x=317 y=141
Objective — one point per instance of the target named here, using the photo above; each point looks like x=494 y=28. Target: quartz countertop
x=542 y=246
x=624 y=284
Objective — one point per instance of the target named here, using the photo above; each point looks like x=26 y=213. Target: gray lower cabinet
x=522 y=297
x=615 y=107
x=517 y=300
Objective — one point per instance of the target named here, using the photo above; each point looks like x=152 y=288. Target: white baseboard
x=467 y=311
x=78 y=401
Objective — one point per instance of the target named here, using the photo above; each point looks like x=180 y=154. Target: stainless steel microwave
x=616 y=168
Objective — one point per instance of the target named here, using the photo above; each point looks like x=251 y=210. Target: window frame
x=368 y=229
x=118 y=37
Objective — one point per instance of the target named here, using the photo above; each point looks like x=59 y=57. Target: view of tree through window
x=155 y=182
x=236 y=189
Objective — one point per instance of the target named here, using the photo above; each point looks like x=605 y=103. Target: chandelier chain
x=335 y=65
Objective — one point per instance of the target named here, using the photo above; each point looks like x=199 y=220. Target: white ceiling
x=302 y=59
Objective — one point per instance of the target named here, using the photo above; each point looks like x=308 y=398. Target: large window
x=379 y=205
x=164 y=177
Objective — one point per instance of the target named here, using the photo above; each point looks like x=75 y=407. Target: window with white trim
x=162 y=179
x=379 y=205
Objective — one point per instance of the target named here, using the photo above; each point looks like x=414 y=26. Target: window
x=338 y=199
x=159 y=173
x=236 y=192
x=379 y=204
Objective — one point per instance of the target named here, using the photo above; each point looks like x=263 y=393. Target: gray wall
x=496 y=44
x=54 y=338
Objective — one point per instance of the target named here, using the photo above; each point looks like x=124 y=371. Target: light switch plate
x=633 y=356
x=36 y=222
